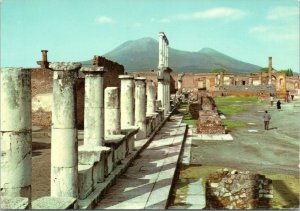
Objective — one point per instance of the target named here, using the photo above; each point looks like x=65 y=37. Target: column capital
x=126 y=77
x=93 y=70
x=65 y=66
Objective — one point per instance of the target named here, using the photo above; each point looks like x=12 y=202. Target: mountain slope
x=142 y=55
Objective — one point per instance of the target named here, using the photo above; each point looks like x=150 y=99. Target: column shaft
x=64 y=143
x=15 y=132
x=93 y=106
x=127 y=100
x=140 y=107
x=151 y=95
x=112 y=111
x=160 y=50
x=160 y=92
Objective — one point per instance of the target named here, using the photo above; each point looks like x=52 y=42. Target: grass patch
x=231 y=109
x=187 y=119
x=233 y=99
x=233 y=124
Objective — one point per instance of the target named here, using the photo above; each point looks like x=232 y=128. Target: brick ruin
x=238 y=190
x=41 y=80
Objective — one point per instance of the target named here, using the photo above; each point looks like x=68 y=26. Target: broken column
x=161 y=50
x=151 y=95
x=127 y=100
x=112 y=111
x=15 y=132
x=140 y=107
x=93 y=106
x=64 y=145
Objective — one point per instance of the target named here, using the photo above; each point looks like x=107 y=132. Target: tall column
x=151 y=95
x=179 y=84
x=164 y=97
x=112 y=111
x=270 y=71
x=167 y=55
x=15 y=132
x=127 y=100
x=93 y=106
x=140 y=107
x=64 y=143
x=161 y=50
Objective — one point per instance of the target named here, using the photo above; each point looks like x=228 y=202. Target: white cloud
x=104 y=20
x=282 y=13
x=219 y=12
x=276 y=33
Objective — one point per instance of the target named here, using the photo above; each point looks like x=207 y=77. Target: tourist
x=271 y=100
x=292 y=96
x=278 y=105
x=267 y=118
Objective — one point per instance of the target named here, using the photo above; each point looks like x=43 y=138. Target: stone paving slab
x=147 y=182
x=214 y=137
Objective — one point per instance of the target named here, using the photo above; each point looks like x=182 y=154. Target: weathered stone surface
x=61 y=66
x=8 y=202
x=112 y=111
x=237 y=190
x=59 y=203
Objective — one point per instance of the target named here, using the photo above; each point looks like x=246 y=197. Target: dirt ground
x=274 y=153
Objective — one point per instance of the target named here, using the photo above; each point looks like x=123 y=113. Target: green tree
x=264 y=69
x=218 y=70
x=288 y=72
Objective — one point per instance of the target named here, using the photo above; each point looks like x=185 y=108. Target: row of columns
x=15 y=130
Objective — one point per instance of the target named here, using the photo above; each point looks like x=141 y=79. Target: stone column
x=140 y=107
x=165 y=97
x=112 y=111
x=167 y=55
x=127 y=100
x=151 y=96
x=160 y=91
x=64 y=143
x=15 y=132
x=93 y=106
x=161 y=50
x=270 y=71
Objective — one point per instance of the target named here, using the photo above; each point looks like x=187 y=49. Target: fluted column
x=64 y=143
x=15 y=132
x=151 y=96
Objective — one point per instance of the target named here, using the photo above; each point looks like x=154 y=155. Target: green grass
x=233 y=99
x=187 y=119
x=230 y=109
x=233 y=124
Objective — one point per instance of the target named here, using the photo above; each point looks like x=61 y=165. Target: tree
x=288 y=72
x=218 y=70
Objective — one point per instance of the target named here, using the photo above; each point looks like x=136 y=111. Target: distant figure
x=292 y=96
x=278 y=105
x=267 y=118
x=271 y=100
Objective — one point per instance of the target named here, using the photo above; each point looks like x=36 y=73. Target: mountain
x=142 y=55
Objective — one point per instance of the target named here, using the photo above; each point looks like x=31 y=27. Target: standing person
x=271 y=100
x=278 y=105
x=267 y=118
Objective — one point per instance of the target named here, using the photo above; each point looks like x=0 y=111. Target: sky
x=76 y=30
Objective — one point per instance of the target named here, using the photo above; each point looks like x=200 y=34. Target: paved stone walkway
x=147 y=182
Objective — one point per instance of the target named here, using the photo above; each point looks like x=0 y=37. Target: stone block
x=88 y=155
x=85 y=180
x=9 y=202
x=57 y=203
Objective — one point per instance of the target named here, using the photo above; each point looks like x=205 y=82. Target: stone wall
x=238 y=190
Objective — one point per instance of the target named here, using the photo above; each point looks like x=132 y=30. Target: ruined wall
x=41 y=81
x=238 y=190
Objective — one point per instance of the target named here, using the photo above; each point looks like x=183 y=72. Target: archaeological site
x=95 y=136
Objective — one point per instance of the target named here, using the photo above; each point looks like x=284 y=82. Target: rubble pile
x=238 y=190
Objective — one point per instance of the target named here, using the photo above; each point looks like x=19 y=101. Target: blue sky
x=75 y=30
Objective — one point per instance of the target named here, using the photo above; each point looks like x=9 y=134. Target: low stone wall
x=238 y=190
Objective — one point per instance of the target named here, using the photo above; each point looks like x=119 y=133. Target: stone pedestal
x=64 y=145
x=127 y=101
x=112 y=112
x=93 y=106
x=15 y=132
x=140 y=107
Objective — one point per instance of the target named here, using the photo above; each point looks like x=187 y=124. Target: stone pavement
x=147 y=182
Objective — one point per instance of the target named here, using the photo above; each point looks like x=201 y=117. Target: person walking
x=267 y=118
x=278 y=105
